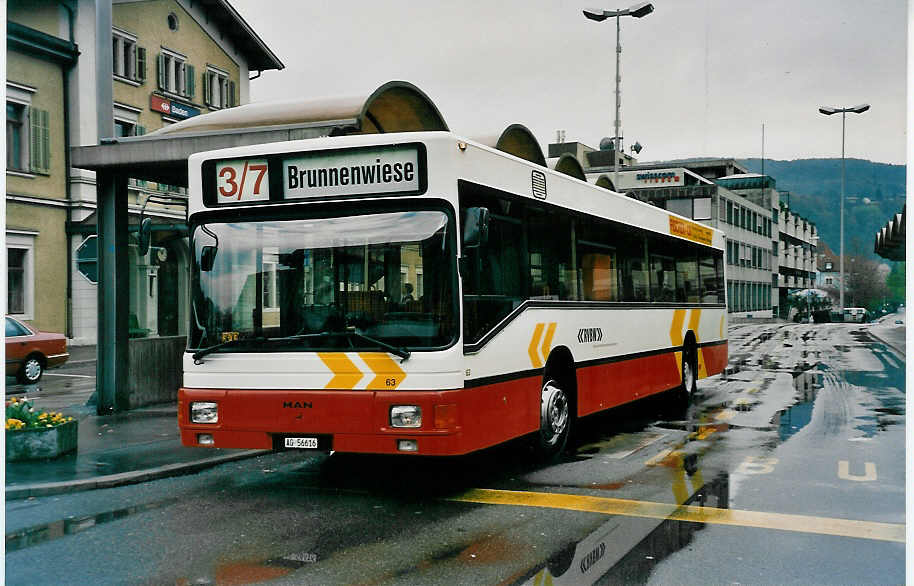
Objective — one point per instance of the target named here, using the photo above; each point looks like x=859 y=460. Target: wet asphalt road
x=790 y=470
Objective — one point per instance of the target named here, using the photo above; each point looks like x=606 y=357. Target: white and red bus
x=422 y=293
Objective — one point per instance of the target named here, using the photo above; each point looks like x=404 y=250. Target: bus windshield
x=365 y=282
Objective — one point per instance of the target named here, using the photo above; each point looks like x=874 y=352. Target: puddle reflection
x=50 y=531
x=798 y=416
x=626 y=549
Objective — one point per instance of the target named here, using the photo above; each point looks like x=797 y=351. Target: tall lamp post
x=828 y=111
x=638 y=10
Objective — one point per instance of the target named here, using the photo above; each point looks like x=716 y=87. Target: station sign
x=172 y=108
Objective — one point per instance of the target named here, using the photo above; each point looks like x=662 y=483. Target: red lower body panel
x=454 y=422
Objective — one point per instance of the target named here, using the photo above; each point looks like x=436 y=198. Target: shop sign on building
x=172 y=108
x=651 y=178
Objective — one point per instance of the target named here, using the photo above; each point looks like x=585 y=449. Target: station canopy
x=161 y=156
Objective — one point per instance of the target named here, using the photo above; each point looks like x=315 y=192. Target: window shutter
x=139 y=130
x=39 y=141
x=189 y=84
x=34 y=138
x=207 y=89
x=231 y=94
x=160 y=60
x=45 y=141
x=141 y=64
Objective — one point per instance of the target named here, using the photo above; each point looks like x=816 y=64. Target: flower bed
x=31 y=435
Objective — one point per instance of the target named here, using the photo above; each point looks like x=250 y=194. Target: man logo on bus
x=296 y=405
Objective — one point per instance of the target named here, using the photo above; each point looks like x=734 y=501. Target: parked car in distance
x=29 y=352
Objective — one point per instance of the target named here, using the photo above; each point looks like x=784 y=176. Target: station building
x=172 y=60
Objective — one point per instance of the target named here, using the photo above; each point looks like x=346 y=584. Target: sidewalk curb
x=124 y=478
x=887 y=343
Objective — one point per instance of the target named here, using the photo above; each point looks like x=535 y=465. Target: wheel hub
x=554 y=415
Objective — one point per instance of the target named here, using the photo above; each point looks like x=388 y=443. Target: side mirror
x=476 y=227
x=207 y=258
x=144 y=236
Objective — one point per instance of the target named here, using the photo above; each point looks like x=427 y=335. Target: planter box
x=35 y=444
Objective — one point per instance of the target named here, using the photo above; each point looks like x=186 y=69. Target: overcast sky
x=699 y=77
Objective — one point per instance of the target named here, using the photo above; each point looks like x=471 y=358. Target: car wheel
x=31 y=370
x=555 y=420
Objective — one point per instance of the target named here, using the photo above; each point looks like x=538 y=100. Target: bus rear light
x=445 y=416
x=405 y=416
x=407 y=445
x=204 y=412
x=205 y=439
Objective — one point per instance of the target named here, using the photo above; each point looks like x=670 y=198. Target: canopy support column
x=113 y=293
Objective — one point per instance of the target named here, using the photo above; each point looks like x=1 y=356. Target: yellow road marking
x=387 y=374
x=631 y=508
x=345 y=374
x=532 y=348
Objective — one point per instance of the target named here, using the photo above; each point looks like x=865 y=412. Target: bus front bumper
x=453 y=421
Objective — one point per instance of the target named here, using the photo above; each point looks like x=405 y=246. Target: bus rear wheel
x=689 y=376
x=555 y=420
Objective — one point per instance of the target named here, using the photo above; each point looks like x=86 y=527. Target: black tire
x=31 y=370
x=689 y=376
x=555 y=420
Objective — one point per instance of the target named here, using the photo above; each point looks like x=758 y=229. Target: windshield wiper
x=201 y=352
x=401 y=352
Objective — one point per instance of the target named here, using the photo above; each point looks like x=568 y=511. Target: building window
x=176 y=76
x=129 y=60
x=15 y=137
x=87 y=259
x=683 y=207
x=20 y=247
x=702 y=208
x=173 y=22
x=15 y=300
x=729 y=212
x=218 y=89
x=27 y=150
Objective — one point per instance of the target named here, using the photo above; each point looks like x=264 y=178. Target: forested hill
x=874 y=193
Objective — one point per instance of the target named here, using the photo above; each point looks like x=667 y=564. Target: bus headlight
x=204 y=412
x=405 y=416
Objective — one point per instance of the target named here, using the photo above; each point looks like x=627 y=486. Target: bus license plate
x=304 y=443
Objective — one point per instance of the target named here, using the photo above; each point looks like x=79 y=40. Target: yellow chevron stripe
x=345 y=374
x=676 y=336
x=388 y=375
x=694 y=323
x=533 y=347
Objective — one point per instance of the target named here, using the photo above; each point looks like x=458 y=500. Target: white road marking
x=70 y=375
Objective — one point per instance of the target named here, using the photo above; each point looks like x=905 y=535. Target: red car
x=29 y=352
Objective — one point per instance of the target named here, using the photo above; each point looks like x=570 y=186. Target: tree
x=866 y=283
x=895 y=283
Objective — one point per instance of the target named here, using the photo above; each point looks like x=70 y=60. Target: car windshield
x=353 y=282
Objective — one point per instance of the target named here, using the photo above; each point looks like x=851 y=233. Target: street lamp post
x=828 y=111
x=637 y=11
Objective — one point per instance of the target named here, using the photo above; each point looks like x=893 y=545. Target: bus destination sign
x=352 y=172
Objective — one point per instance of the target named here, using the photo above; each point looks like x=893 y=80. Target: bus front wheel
x=555 y=420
